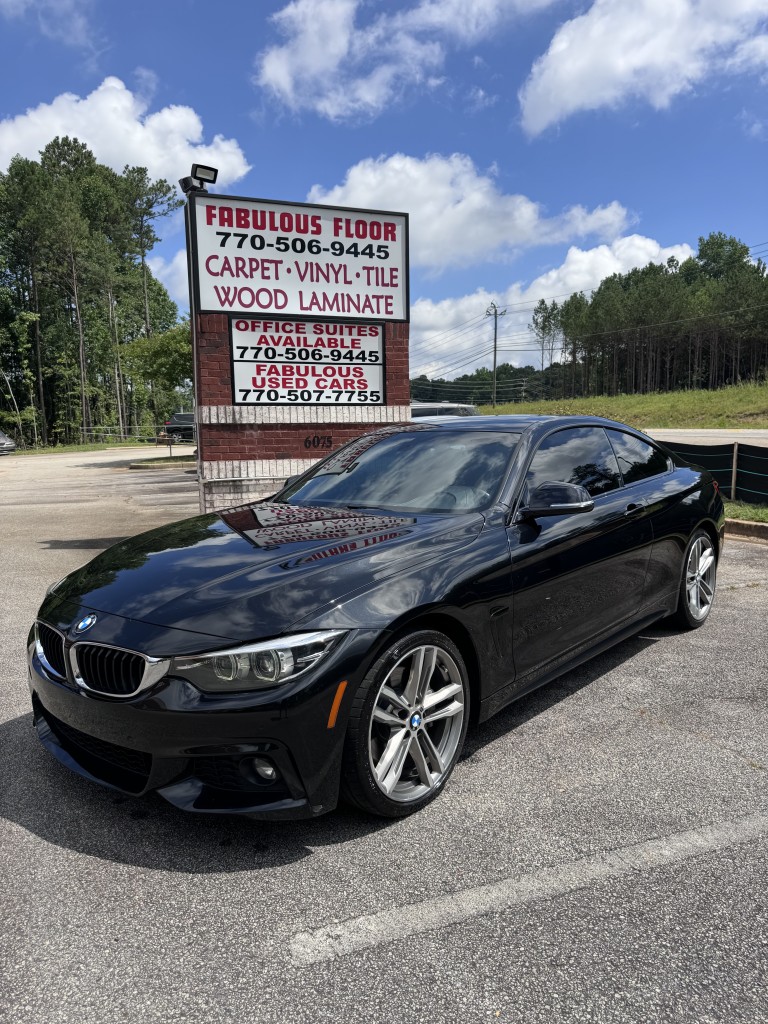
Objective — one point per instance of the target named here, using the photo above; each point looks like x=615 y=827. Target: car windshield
x=419 y=469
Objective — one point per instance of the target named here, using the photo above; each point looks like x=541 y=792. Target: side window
x=637 y=459
x=577 y=455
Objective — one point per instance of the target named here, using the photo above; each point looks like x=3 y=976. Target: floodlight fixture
x=205 y=174
x=200 y=177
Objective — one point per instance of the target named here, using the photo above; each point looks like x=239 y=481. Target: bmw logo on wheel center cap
x=415 y=720
x=85 y=623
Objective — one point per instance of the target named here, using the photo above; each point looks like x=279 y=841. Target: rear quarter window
x=637 y=459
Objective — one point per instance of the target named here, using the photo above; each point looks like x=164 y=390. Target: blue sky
x=537 y=145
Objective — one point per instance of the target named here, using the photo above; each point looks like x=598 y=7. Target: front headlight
x=256 y=666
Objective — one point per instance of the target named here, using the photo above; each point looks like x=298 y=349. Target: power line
x=627 y=330
x=450 y=330
x=472 y=359
x=532 y=303
x=451 y=335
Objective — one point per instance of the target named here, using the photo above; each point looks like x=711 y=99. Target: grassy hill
x=741 y=406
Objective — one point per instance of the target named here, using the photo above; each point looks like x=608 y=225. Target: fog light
x=264 y=768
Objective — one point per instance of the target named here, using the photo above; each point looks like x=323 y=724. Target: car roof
x=516 y=422
x=525 y=423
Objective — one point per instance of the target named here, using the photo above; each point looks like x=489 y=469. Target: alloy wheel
x=700 y=577
x=417 y=724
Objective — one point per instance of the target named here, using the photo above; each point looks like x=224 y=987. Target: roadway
x=709 y=436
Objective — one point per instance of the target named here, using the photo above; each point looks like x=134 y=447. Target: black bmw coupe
x=338 y=638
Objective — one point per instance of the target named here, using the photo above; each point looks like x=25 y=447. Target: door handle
x=634 y=508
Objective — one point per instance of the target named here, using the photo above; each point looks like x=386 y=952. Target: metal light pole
x=195 y=184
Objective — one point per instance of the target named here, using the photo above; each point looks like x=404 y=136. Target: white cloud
x=66 y=21
x=455 y=331
x=341 y=69
x=584 y=269
x=479 y=99
x=751 y=55
x=173 y=274
x=458 y=216
x=653 y=50
x=341 y=66
x=754 y=127
x=115 y=124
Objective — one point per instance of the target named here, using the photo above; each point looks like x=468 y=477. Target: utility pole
x=493 y=310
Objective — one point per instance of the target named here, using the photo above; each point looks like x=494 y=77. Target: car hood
x=260 y=570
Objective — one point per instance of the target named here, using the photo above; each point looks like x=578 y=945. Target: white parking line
x=390 y=925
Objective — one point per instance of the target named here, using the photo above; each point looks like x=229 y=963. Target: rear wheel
x=407 y=726
x=697 y=587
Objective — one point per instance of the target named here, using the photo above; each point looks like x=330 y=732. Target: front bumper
x=197 y=751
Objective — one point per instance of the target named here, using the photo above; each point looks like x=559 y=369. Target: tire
x=697 y=586
x=407 y=726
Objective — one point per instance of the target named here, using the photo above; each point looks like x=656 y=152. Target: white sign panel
x=252 y=256
x=285 y=362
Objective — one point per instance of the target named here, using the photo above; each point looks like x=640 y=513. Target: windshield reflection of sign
x=290 y=362
x=348 y=456
x=271 y=526
x=344 y=549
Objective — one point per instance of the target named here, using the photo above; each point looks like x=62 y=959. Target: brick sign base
x=246 y=452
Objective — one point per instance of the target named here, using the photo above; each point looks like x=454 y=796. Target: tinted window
x=637 y=459
x=416 y=468
x=578 y=455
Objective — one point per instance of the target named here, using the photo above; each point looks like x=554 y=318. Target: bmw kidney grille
x=98 y=668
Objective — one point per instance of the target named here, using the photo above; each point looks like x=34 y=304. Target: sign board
x=288 y=362
x=259 y=257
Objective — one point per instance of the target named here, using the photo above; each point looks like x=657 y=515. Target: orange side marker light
x=336 y=703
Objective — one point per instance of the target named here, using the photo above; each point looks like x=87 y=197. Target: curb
x=744 y=529
x=188 y=464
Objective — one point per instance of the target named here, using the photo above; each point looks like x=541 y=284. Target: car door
x=579 y=576
x=648 y=475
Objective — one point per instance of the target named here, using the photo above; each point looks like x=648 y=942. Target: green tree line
x=702 y=323
x=89 y=339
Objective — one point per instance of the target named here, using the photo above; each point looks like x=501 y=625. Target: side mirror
x=556 y=499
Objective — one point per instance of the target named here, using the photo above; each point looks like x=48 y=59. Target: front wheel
x=407 y=726
x=697 y=587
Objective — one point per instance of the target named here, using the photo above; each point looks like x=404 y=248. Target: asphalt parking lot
x=599 y=855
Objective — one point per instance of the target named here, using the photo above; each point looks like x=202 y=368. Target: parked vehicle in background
x=181 y=426
x=419 y=409
x=6 y=444
x=338 y=637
